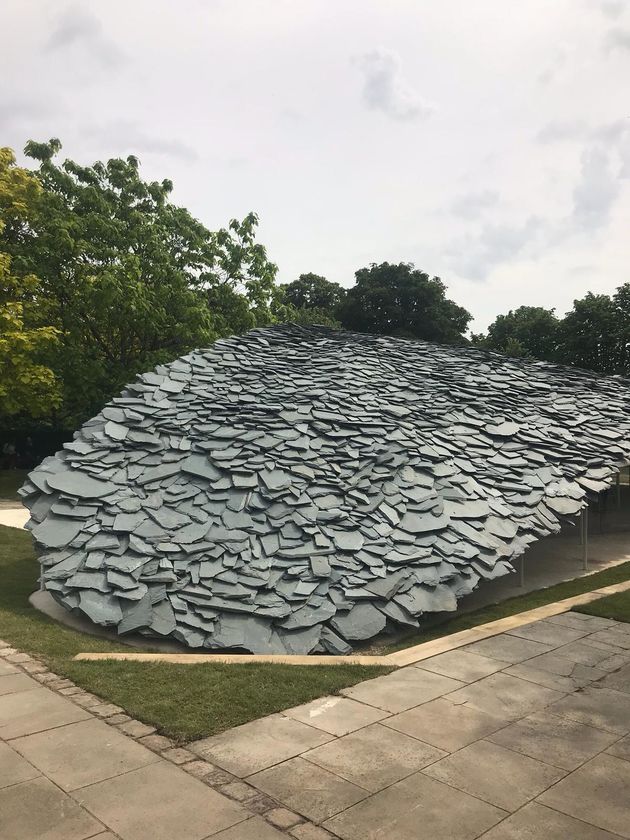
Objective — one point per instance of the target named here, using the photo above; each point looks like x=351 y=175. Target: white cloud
x=79 y=27
x=126 y=137
x=385 y=88
x=558 y=130
x=596 y=190
x=475 y=257
x=473 y=204
x=617 y=38
x=611 y=8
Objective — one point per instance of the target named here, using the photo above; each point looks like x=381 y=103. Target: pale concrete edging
x=399 y=659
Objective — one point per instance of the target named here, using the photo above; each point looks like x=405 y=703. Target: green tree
x=312 y=291
x=128 y=278
x=526 y=331
x=401 y=300
x=591 y=334
x=27 y=386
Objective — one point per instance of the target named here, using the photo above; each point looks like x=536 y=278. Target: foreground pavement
x=522 y=735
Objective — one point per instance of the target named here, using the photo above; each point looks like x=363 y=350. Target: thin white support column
x=584 y=519
x=618 y=489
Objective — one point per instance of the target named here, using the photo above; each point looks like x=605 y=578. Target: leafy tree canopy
x=404 y=301
x=128 y=278
x=312 y=291
x=27 y=386
x=526 y=331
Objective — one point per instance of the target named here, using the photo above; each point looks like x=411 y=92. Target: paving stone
x=207 y=772
x=461 y=665
x=507 y=648
x=178 y=755
x=336 y=715
x=416 y=808
x=283 y=818
x=254 y=828
x=33 y=711
x=307 y=831
x=7 y=668
x=621 y=748
x=114 y=720
x=579 y=621
x=136 y=729
x=504 y=696
x=14 y=683
x=106 y=710
x=582 y=653
x=556 y=740
x=496 y=775
x=602 y=708
x=374 y=757
x=82 y=753
x=620 y=680
x=597 y=793
x=239 y=791
x=156 y=742
x=546 y=678
x=308 y=789
x=535 y=822
x=37 y=809
x=259 y=744
x=159 y=802
x=444 y=724
x=549 y=634
x=86 y=701
x=402 y=689
x=14 y=768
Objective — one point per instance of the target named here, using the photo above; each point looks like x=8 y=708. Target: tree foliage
x=27 y=385
x=128 y=278
x=526 y=331
x=401 y=300
x=594 y=334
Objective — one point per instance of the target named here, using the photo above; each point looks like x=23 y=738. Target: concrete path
x=65 y=774
x=522 y=735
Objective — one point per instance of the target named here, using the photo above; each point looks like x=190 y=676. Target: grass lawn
x=10 y=483
x=616 y=607
x=184 y=701
x=521 y=603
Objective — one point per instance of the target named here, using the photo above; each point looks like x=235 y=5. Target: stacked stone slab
x=298 y=489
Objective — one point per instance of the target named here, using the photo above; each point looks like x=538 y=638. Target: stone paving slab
x=461 y=665
x=417 y=808
x=159 y=802
x=257 y=745
x=597 y=793
x=67 y=754
x=308 y=789
x=38 y=810
x=600 y=707
x=559 y=741
x=336 y=715
x=444 y=724
x=537 y=822
x=374 y=757
x=458 y=745
x=13 y=768
x=402 y=689
x=35 y=710
x=497 y=775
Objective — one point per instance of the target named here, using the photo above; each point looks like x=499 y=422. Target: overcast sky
x=486 y=142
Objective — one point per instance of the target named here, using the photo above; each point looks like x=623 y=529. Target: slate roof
x=296 y=489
